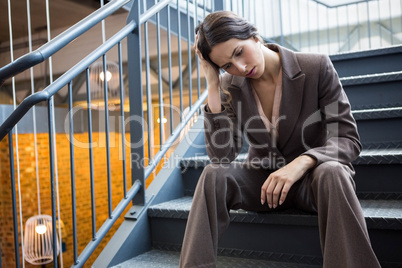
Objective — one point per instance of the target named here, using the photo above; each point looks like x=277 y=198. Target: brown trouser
x=328 y=190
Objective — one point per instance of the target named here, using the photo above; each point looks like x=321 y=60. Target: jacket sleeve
x=223 y=136
x=342 y=142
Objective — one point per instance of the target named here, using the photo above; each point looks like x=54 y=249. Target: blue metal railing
x=47 y=50
x=13 y=197
x=136 y=193
x=46 y=95
x=63 y=80
x=315 y=26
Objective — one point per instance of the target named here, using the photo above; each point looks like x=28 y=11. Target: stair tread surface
x=371 y=78
x=368 y=61
x=387 y=151
x=380 y=155
x=383 y=213
x=377 y=113
x=367 y=53
x=170 y=259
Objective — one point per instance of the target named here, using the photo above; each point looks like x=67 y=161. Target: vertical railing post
x=219 y=5
x=368 y=23
x=72 y=171
x=50 y=111
x=180 y=58
x=136 y=105
x=14 y=199
x=281 y=23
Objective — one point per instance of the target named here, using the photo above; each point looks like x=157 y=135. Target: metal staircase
x=153 y=228
x=290 y=238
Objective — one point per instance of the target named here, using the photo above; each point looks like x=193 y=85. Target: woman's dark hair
x=219 y=27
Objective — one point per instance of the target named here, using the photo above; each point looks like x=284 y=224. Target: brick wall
x=28 y=187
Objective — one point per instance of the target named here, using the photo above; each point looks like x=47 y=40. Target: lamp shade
x=38 y=240
x=97 y=77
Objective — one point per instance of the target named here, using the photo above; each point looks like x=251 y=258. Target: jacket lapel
x=250 y=116
x=292 y=94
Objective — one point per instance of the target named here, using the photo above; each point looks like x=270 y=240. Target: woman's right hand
x=210 y=72
x=212 y=75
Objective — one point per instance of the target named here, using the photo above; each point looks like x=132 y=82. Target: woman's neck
x=272 y=66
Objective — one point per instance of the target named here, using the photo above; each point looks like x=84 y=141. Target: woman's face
x=239 y=57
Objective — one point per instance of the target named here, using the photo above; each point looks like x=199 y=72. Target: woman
x=302 y=138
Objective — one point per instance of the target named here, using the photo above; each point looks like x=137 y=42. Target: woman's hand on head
x=211 y=72
x=276 y=188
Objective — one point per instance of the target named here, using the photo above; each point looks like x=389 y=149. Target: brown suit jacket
x=315 y=116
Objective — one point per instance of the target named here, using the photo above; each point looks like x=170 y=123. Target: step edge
x=378 y=156
x=377 y=113
x=366 y=53
x=295 y=218
x=371 y=78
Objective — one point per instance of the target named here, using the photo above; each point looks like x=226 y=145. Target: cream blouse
x=273 y=124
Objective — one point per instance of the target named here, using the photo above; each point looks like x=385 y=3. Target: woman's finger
x=284 y=193
x=276 y=193
x=270 y=189
x=197 y=51
x=264 y=191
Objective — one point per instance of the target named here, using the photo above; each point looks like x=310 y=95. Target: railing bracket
x=134 y=213
x=136 y=210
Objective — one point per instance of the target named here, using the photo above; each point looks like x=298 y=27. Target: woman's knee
x=218 y=182
x=332 y=175
x=213 y=176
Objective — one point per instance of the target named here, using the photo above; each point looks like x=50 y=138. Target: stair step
x=366 y=157
x=379 y=214
x=382 y=125
x=368 y=62
x=379 y=156
x=170 y=259
x=374 y=90
x=377 y=173
x=377 y=113
x=293 y=234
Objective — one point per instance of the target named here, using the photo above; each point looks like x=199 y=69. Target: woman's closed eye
x=239 y=52
x=227 y=66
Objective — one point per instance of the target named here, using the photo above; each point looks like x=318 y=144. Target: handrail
x=66 y=78
x=100 y=234
x=47 y=50
x=46 y=95
x=53 y=88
